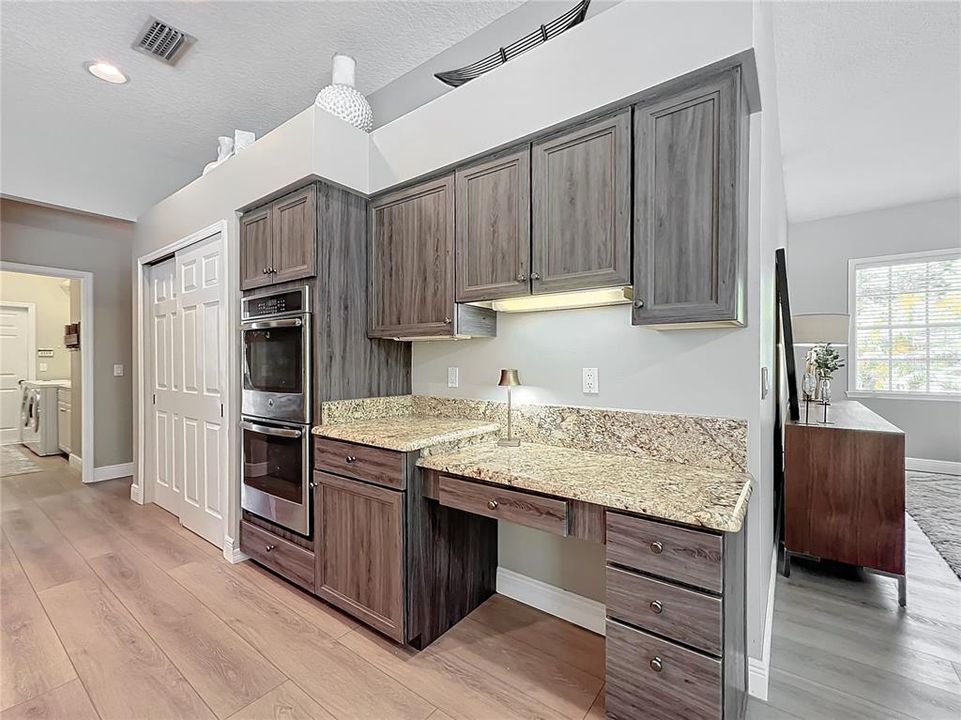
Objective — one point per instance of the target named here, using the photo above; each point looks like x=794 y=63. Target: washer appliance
x=38 y=416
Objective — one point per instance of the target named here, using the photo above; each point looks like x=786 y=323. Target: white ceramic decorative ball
x=341 y=99
x=348 y=104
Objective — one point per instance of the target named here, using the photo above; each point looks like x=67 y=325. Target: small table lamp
x=815 y=329
x=509 y=379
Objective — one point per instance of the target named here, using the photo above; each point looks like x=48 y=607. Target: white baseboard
x=75 y=461
x=945 y=467
x=232 y=552
x=109 y=472
x=758 y=669
x=566 y=605
x=136 y=494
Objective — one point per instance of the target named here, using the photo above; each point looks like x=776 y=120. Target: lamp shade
x=509 y=378
x=814 y=328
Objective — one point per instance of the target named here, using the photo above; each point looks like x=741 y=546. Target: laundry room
x=40 y=367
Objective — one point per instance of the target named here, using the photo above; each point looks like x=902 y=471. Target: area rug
x=934 y=501
x=14 y=460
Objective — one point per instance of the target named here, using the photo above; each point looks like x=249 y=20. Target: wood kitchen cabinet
x=361 y=550
x=581 y=219
x=278 y=242
x=690 y=200
x=411 y=266
x=493 y=234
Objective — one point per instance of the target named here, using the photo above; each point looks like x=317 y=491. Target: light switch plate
x=118 y=370
x=43 y=367
x=453 y=377
x=589 y=381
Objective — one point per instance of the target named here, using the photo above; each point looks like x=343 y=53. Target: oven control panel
x=280 y=303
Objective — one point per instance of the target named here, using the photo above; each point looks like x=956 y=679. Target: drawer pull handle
x=491 y=504
x=656 y=547
x=656 y=607
x=351 y=459
x=657 y=664
x=269 y=548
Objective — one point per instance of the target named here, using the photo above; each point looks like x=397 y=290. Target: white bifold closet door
x=188 y=433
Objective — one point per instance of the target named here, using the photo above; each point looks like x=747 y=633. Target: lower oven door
x=276 y=473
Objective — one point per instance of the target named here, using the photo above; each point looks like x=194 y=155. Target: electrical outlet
x=118 y=370
x=589 y=381
x=453 y=377
x=43 y=367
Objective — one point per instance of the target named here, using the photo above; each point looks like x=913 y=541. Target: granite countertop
x=712 y=498
x=407 y=433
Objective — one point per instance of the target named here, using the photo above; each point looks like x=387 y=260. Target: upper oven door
x=276 y=372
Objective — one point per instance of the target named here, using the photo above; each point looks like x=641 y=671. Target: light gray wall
x=419 y=86
x=37 y=235
x=818 y=281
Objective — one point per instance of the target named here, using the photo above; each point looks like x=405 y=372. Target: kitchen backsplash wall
x=690 y=439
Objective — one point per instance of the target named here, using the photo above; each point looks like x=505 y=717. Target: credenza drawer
x=688 y=616
x=282 y=556
x=688 y=556
x=522 y=508
x=651 y=678
x=361 y=462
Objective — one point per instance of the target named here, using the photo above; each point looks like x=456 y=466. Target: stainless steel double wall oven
x=276 y=407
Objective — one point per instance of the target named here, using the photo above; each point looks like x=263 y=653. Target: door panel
x=159 y=454
x=294 y=219
x=14 y=366
x=581 y=207
x=493 y=241
x=255 y=249
x=197 y=351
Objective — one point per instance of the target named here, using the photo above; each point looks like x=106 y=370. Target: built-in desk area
x=406 y=508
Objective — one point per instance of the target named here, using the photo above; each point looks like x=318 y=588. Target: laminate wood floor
x=113 y=610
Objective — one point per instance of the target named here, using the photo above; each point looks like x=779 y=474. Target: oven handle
x=267 y=324
x=275 y=431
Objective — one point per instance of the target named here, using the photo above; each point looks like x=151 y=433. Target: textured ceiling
x=255 y=65
x=870 y=104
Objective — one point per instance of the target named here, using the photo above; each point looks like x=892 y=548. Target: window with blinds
x=907 y=324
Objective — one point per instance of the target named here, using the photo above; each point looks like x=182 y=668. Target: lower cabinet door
x=360 y=551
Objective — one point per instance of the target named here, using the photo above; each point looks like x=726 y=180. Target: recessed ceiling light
x=106 y=72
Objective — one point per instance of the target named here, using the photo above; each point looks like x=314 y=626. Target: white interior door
x=168 y=490
x=199 y=369
x=15 y=360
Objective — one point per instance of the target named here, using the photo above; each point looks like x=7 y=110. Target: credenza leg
x=902 y=590
x=786 y=565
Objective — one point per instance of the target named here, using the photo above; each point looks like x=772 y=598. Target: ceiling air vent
x=163 y=41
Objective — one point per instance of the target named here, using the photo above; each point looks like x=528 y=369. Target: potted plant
x=823 y=361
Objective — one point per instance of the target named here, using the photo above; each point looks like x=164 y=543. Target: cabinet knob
x=351 y=459
x=268 y=548
x=491 y=504
x=264 y=271
x=271 y=270
x=638 y=303
x=657 y=664
x=313 y=484
x=447 y=321
x=656 y=547
x=521 y=277
x=535 y=276
x=656 y=607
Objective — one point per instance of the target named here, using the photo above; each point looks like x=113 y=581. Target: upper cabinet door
x=411 y=274
x=582 y=213
x=687 y=215
x=493 y=242
x=255 y=249
x=294 y=220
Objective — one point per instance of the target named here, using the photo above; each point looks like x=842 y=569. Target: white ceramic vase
x=342 y=100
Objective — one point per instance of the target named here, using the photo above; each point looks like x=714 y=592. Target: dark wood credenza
x=844 y=491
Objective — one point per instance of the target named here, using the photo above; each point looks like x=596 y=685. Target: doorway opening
x=46 y=366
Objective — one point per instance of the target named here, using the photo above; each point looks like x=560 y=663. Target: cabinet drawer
x=280 y=555
x=63 y=395
x=522 y=508
x=688 y=556
x=687 y=616
x=363 y=462
x=651 y=678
